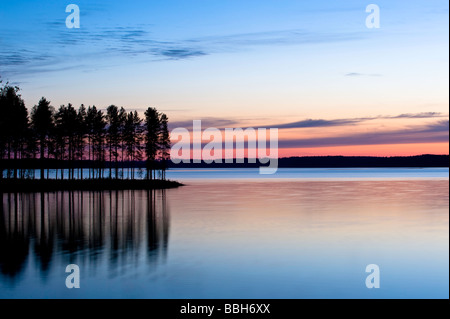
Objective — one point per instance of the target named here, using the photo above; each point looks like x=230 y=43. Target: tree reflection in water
x=120 y=227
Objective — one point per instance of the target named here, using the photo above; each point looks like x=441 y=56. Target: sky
x=310 y=68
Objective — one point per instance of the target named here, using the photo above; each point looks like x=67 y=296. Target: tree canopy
x=67 y=140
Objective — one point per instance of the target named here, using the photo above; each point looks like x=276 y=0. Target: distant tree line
x=68 y=140
x=419 y=161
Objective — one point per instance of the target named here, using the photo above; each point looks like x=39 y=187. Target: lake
x=231 y=233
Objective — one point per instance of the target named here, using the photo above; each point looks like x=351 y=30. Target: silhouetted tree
x=2 y=133
x=42 y=123
x=89 y=124
x=133 y=138
x=62 y=137
x=122 y=120
x=164 y=143
x=66 y=120
x=70 y=127
x=14 y=125
x=31 y=150
x=59 y=139
x=98 y=141
x=80 y=135
x=113 y=137
x=152 y=129
x=3 y=127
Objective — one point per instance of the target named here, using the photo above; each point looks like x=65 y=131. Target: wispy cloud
x=280 y=37
x=221 y=123
x=59 y=45
x=316 y=123
x=422 y=115
x=356 y=74
x=206 y=123
x=310 y=123
x=431 y=133
x=436 y=132
x=177 y=54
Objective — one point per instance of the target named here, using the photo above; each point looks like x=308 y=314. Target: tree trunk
x=15 y=163
x=89 y=156
x=110 y=160
x=42 y=158
x=8 y=171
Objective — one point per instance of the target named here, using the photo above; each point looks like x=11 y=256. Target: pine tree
x=164 y=143
x=80 y=134
x=113 y=138
x=64 y=136
x=133 y=139
x=98 y=141
x=14 y=126
x=42 y=123
x=152 y=129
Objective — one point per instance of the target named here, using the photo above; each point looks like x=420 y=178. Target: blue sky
x=251 y=62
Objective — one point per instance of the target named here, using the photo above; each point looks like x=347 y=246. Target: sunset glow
x=247 y=64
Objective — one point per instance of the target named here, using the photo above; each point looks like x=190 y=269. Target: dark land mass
x=337 y=162
x=52 y=185
x=287 y=162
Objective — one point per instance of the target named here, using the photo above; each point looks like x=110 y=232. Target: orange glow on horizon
x=369 y=150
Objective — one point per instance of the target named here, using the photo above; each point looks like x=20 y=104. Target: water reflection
x=83 y=228
x=230 y=239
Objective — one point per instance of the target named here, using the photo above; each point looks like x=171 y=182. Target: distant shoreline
x=53 y=185
x=420 y=161
x=285 y=162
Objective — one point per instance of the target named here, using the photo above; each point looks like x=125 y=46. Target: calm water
x=232 y=234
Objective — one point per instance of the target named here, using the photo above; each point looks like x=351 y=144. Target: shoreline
x=53 y=185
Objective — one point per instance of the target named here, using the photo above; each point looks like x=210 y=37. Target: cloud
x=279 y=37
x=316 y=123
x=437 y=132
x=422 y=115
x=355 y=74
x=13 y=59
x=178 y=54
x=310 y=123
x=94 y=46
x=206 y=123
